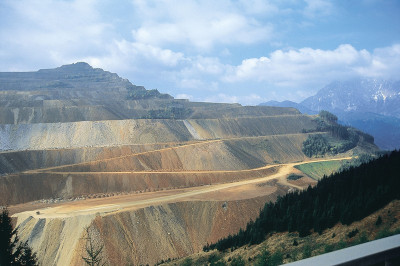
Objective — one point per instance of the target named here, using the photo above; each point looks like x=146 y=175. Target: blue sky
x=246 y=51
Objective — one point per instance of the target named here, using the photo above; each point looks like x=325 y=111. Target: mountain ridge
x=363 y=95
x=371 y=105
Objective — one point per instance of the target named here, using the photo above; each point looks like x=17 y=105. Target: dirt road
x=105 y=206
x=172 y=147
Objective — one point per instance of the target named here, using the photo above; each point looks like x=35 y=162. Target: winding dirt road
x=174 y=146
x=105 y=206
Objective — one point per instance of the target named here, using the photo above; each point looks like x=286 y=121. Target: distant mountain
x=70 y=93
x=371 y=105
x=385 y=129
x=75 y=76
x=358 y=95
x=69 y=79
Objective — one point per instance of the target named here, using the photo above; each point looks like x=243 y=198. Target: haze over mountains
x=372 y=105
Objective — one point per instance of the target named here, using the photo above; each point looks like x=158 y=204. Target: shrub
x=276 y=258
x=363 y=238
x=294 y=177
x=378 y=221
x=352 y=233
x=307 y=250
x=187 y=262
x=238 y=261
x=266 y=258
x=341 y=244
x=385 y=232
x=214 y=258
x=329 y=248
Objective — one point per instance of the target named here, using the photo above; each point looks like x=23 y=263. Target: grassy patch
x=318 y=169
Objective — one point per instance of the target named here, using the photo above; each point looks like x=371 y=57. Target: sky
x=244 y=51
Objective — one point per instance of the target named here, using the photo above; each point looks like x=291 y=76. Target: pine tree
x=12 y=251
x=93 y=257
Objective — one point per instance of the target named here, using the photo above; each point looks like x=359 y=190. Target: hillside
x=289 y=247
x=371 y=105
x=83 y=147
x=78 y=92
x=385 y=129
x=344 y=197
x=347 y=197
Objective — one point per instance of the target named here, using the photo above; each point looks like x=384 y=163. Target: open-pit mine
x=152 y=177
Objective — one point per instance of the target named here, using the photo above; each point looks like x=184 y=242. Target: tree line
x=345 y=137
x=343 y=197
x=135 y=93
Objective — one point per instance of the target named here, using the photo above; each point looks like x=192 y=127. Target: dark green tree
x=266 y=259
x=328 y=116
x=93 y=254
x=187 y=262
x=12 y=251
x=315 y=145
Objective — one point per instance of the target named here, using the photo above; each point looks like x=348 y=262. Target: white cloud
x=195 y=23
x=383 y=63
x=139 y=62
x=318 y=8
x=51 y=33
x=315 y=67
x=205 y=65
x=165 y=57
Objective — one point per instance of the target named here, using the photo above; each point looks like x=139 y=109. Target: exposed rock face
x=56 y=241
x=124 y=132
x=76 y=132
x=360 y=95
x=18 y=161
x=78 y=76
x=144 y=236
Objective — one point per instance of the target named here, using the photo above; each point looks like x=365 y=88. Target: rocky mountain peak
x=364 y=95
